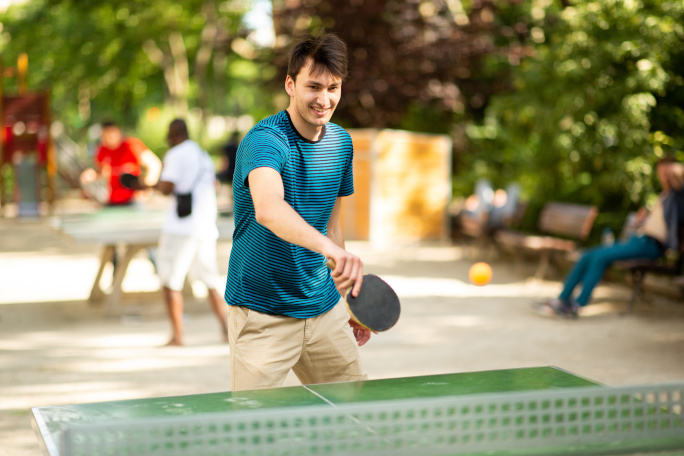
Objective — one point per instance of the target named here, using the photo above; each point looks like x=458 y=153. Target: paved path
x=55 y=349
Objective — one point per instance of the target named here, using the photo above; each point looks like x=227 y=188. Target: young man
x=118 y=155
x=292 y=171
x=189 y=241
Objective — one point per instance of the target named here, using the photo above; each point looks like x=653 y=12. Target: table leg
x=114 y=298
x=96 y=293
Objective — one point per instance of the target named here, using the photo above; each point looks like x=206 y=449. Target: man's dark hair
x=108 y=124
x=178 y=128
x=666 y=159
x=327 y=52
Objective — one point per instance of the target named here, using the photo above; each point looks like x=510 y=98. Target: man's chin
x=323 y=118
x=319 y=121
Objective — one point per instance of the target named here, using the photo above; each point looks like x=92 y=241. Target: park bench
x=670 y=264
x=562 y=226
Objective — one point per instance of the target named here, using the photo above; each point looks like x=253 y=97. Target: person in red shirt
x=118 y=155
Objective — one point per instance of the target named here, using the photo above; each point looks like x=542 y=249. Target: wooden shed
x=402 y=183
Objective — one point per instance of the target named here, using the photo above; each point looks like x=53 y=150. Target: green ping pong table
x=128 y=228
x=528 y=411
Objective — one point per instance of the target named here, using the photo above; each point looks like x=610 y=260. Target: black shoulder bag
x=184 y=200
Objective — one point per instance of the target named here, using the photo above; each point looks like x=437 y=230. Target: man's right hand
x=348 y=271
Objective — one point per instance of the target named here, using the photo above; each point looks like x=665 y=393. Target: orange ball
x=480 y=273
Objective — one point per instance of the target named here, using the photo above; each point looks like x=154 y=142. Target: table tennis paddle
x=131 y=181
x=376 y=307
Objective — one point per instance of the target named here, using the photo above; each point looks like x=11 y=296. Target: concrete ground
x=56 y=349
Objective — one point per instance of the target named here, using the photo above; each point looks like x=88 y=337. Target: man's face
x=111 y=137
x=170 y=139
x=662 y=171
x=315 y=97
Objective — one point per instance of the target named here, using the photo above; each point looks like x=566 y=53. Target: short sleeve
x=347 y=185
x=261 y=148
x=172 y=168
x=136 y=146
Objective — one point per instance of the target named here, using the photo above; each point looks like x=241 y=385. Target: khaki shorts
x=179 y=255
x=263 y=348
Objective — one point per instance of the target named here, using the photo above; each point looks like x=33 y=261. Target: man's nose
x=323 y=98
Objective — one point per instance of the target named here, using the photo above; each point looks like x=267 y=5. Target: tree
x=593 y=109
x=418 y=65
x=117 y=58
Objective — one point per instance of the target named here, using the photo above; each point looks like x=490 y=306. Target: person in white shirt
x=188 y=243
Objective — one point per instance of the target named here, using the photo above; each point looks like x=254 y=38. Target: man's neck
x=178 y=141
x=305 y=129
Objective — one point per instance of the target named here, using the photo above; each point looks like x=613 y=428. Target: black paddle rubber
x=377 y=305
x=130 y=181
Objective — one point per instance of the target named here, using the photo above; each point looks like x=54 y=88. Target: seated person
x=657 y=233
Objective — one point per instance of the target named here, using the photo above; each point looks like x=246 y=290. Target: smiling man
x=292 y=171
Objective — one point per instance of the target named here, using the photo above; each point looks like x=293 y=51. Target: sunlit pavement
x=55 y=348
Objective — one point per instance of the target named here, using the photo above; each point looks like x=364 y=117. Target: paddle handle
x=331 y=265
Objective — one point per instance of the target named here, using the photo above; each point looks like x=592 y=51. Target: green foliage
x=116 y=59
x=575 y=101
x=419 y=65
x=152 y=129
x=426 y=117
x=595 y=106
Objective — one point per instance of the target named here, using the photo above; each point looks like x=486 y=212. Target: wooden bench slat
x=557 y=219
x=573 y=220
x=531 y=242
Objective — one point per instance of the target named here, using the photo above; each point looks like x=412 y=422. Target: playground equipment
x=27 y=153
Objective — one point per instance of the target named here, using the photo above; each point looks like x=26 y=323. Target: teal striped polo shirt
x=266 y=273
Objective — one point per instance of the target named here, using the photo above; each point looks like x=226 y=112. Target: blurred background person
x=188 y=242
x=225 y=175
x=118 y=155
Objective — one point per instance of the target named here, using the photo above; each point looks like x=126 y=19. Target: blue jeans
x=590 y=268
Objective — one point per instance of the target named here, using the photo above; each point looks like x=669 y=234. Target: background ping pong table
x=529 y=411
x=121 y=230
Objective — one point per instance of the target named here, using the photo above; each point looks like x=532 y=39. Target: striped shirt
x=266 y=273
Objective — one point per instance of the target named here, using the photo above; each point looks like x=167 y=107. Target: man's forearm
x=335 y=235
x=152 y=166
x=272 y=211
x=283 y=221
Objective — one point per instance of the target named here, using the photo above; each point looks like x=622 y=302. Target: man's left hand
x=361 y=334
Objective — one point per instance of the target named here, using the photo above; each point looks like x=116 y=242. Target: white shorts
x=179 y=255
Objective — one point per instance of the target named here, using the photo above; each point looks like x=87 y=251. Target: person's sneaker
x=556 y=308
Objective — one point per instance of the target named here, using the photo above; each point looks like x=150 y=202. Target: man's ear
x=289 y=86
